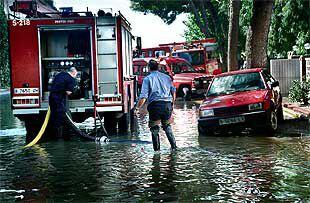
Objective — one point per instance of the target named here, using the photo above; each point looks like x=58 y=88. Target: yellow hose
x=38 y=137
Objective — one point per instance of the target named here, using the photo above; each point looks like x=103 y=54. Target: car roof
x=251 y=70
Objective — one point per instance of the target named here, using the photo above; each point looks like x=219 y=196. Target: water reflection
x=7 y=120
x=228 y=169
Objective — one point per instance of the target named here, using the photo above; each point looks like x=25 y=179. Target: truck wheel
x=185 y=92
x=272 y=123
x=125 y=121
x=32 y=129
x=110 y=123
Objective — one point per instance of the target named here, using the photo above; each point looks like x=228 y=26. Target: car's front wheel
x=272 y=123
x=204 y=132
x=280 y=114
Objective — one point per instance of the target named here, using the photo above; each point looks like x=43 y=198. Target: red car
x=245 y=98
x=186 y=79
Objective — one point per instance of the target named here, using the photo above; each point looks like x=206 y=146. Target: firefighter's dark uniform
x=62 y=82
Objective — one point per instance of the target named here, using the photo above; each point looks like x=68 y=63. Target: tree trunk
x=232 y=60
x=257 y=37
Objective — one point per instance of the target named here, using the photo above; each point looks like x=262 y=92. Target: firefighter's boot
x=170 y=136
x=155 y=138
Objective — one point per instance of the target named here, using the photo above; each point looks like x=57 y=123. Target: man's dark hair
x=153 y=65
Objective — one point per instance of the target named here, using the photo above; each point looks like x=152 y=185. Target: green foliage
x=217 y=30
x=300 y=91
x=4 y=59
x=245 y=16
x=165 y=9
x=290 y=28
x=220 y=31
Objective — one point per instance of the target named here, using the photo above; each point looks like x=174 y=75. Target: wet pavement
x=234 y=168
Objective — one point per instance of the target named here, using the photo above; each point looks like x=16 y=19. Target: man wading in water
x=158 y=90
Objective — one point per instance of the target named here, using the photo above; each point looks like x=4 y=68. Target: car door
x=273 y=85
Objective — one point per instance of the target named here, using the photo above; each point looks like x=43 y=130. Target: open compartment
x=62 y=49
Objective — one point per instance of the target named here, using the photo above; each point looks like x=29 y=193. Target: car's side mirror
x=275 y=84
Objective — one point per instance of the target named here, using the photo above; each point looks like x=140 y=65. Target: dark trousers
x=57 y=103
x=160 y=112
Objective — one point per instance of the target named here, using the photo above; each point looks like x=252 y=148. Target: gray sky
x=150 y=27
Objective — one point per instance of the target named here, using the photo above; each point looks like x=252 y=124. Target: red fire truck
x=199 y=53
x=99 y=47
x=155 y=52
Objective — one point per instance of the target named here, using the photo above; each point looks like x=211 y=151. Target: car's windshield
x=182 y=67
x=193 y=57
x=236 y=83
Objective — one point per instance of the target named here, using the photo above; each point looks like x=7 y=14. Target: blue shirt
x=157 y=87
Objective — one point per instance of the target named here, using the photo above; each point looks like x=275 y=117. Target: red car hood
x=235 y=99
x=188 y=76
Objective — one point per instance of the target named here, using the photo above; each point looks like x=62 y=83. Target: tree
x=290 y=28
x=4 y=59
x=234 y=10
x=204 y=14
x=256 y=45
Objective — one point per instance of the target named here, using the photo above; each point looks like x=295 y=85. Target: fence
x=285 y=71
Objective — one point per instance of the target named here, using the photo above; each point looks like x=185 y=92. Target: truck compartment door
x=107 y=56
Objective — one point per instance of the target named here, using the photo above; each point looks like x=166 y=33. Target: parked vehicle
x=155 y=52
x=186 y=79
x=199 y=53
x=245 y=98
x=141 y=69
x=100 y=47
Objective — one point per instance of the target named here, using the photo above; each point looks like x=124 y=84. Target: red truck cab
x=248 y=98
x=186 y=79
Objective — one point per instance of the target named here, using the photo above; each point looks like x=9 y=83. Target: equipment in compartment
x=63 y=49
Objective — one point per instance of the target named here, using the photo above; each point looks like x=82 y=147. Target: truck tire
x=185 y=92
x=32 y=125
x=110 y=123
x=125 y=121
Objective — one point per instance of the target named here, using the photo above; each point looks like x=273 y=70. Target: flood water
x=233 y=168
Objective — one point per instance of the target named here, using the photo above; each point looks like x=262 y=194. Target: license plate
x=26 y=90
x=227 y=121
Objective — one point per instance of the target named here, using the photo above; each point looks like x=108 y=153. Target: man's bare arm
x=140 y=103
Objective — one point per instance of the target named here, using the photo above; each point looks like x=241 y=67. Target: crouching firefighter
x=158 y=90
x=63 y=85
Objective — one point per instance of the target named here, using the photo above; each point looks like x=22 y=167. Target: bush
x=300 y=91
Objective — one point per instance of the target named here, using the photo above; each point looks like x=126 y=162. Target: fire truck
x=200 y=53
x=98 y=46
